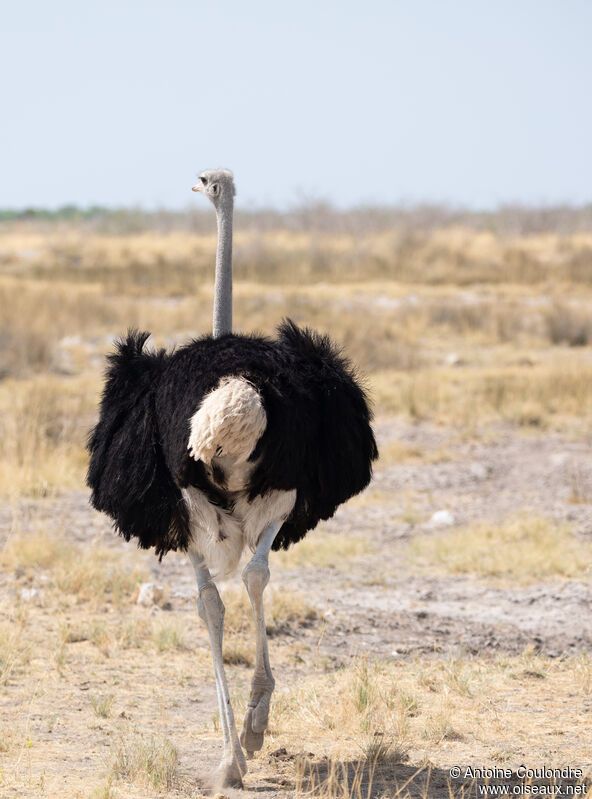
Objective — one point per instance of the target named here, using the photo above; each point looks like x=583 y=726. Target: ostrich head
x=217 y=185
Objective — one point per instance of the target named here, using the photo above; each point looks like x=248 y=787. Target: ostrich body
x=229 y=442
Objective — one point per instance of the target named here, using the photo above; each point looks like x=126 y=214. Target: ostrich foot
x=255 y=724
x=229 y=774
x=252 y=741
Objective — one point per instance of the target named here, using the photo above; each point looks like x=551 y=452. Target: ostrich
x=230 y=442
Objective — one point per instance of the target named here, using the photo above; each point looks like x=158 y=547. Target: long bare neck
x=223 y=284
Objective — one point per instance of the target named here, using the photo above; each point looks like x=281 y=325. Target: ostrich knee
x=255 y=577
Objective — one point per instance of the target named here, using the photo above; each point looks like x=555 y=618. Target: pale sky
x=123 y=102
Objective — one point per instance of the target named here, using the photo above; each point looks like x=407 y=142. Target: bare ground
x=372 y=603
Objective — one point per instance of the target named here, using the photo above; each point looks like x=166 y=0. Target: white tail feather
x=230 y=421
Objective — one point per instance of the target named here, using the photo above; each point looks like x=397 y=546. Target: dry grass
x=458 y=326
x=521 y=550
x=178 y=261
x=162 y=634
x=7 y=740
x=135 y=633
x=323 y=549
x=91 y=573
x=583 y=671
x=62 y=327
x=102 y=705
x=238 y=651
x=569 y=323
x=400 y=712
x=547 y=396
x=168 y=635
x=283 y=610
x=402 y=452
x=580 y=481
x=43 y=427
x=105 y=791
x=357 y=705
x=44 y=420
x=369 y=723
x=145 y=762
x=15 y=650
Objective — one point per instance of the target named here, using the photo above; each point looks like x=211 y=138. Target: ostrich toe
x=228 y=775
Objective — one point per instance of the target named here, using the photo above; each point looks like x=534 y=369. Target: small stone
x=478 y=471
x=442 y=518
x=281 y=754
x=452 y=359
x=28 y=593
x=150 y=594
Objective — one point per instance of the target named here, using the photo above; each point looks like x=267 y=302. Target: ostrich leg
x=256 y=577
x=211 y=610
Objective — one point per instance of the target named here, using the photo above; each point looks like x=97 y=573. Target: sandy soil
x=372 y=605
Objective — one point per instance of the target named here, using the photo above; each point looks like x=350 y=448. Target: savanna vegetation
x=470 y=329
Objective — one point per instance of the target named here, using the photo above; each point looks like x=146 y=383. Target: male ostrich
x=229 y=442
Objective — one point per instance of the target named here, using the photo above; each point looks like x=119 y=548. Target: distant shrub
x=569 y=325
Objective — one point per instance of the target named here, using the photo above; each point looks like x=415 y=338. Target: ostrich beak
x=197 y=187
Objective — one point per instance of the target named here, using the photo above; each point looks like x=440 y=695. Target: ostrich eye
x=203 y=180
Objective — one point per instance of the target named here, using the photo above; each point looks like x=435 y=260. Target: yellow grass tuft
x=135 y=633
x=395 y=451
x=323 y=549
x=15 y=652
x=238 y=651
x=92 y=573
x=102 y=705
x=522 y=550
x=583 y=670
x=360 y=705
x=104 y=791
x=168 y=634
x=145 y=762
x=282 y=609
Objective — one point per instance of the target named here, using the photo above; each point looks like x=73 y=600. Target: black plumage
x=318 y=438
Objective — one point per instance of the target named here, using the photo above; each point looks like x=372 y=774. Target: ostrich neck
x=223 y=284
